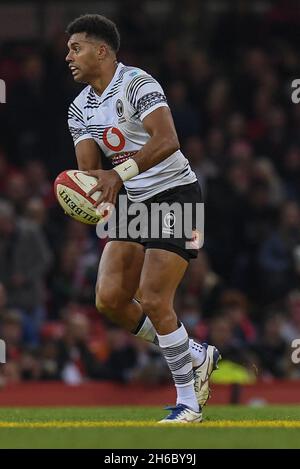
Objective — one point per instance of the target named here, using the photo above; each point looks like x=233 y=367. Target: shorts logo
x=119 y=108
x=169 y=222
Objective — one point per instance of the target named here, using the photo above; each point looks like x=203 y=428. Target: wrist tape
x=127 y=170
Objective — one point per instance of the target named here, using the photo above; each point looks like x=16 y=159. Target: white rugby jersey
x=114 y=121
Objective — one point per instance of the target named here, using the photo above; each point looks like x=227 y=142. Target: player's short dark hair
x=97 y=26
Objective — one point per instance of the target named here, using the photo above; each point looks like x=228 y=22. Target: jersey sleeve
x=144 y=95
x=76 y=124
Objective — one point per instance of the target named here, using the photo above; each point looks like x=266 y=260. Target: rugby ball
x=71 y=187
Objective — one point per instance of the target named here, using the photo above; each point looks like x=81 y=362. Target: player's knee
x=108 y=301
x=153 y=304
x=158 y=309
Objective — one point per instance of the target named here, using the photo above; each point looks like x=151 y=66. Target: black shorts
x=178 y=229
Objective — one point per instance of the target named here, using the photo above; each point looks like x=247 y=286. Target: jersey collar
x=111 y=83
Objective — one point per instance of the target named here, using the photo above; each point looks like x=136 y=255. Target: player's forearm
x=88 y=165
x=88 y=155
x=157 y=149
x=88 y=162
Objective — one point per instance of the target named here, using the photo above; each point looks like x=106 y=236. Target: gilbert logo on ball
x=71 y=187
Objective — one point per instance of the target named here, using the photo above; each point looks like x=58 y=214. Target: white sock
x=175 y=347
x=198 y=353
x=145 y=330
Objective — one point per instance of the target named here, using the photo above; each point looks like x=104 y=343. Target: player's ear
x=101 y=51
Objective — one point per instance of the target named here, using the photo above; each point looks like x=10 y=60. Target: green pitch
x=136 y=427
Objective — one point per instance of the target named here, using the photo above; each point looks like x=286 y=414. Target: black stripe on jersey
x=91 y=103
x=72 y=114
x=137 y=87
x=117 y=84
x=92 y=96
x=114 y=90
x=91 y=100
x=136 y=84
x=76 y=113
x=97 y=127
x=119 y=79
x=97 y=131
x=95 y=104
x=76 y=108
x=110 y=95
x=76 y=118
x=132 y=83
x=92 y=106
x=97 y=135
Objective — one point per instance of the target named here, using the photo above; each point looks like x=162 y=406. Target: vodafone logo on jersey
x=114 y=139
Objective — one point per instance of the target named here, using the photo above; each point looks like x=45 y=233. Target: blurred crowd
x=227 y=76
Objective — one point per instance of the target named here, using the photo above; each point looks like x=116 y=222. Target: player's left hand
x=109 y=184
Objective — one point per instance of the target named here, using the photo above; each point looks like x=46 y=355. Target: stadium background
x=227 y=69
